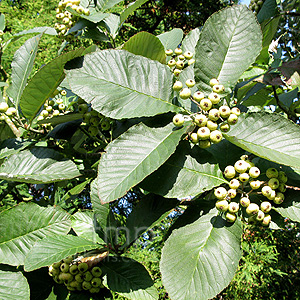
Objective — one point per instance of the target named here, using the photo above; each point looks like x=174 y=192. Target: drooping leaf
x=44 y=83
x=95 y=34
x=133 y=156
x=44 y=30
x=190 y=171
x=12 y=146
x=38 y=165
x=61 y=119
x=229 y=42
x=200 y=259
x=23 y=225
x=21 y=67
x=13 y=286
x=267 y=11
x=147 y=45
x=130 y=9
x=52 y=249
x=190 y=41
x=268 y=135
x=112 y=23
x=171 y=39
x=129 y=278
x=288 y=98
x=121 y=85
x=84 y=226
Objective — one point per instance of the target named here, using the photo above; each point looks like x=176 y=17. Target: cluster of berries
x=65 y=20
x=5 y=110
x=77 y=276
x=244 y=180
x=213 y=118
x=179 y=60
x=255 y=5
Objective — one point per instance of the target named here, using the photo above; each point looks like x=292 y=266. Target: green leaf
x=149 y=211
x=44 y=83
x=112 y=23
x=84 y=226
x=95 y=34
x=13 y=286
x=229 y=43
x=190 y=171
x=267 y=11
x=171 y=39
x=2 y=22
x=288 y=98
x=38 y=165
x=21 y=68
x=147 y=45
x=259 y=95
x=129 y=278
x=44 y=30
x=61 y=119
x=268 y=135
x=135 y=154
x=190 y=41
x=130 y=9
x=199 y=260
x=12 y=146
x=121 y=85
x=52 y=249
x=106 y=4
x=22 y=225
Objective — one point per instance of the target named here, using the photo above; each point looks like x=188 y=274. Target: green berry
x=224 y=111
x=214 y=98
x=44 y=113
x=190 y=83
x=260 y=215
x=169 y=52
x=87 y=276
x=64 y=267
x=235 y=111
x=229 y=172
x=254 y=172
x=49 y=108
x=266 y=190
x=244 y=177
x=79 y=277
x=94 y=290
x=255 y=184
x=231 y=193
x=204 y=144
x=218 y=88
x=194 y=138
x=185 y=93
x=214 y=114
x=11 y=111
x=179 y=64
x=83 y=267
x=73 y=269
x=273 y=183
x=266 y=221
x=265 y=206
x=82 y=108
x=96 y=272
x=55 y=113
x=191 y=61
x=177 y=86
x=212 y=126
x=93 y=130
x=172 y=63
x=241 y=166
x=96 y=282
x=59 y=101
x=245 y=201
x=200 y=120
x=224 y=127
x=282 y=188
x=178 y=51
x=86 y=285
x=232 y=119
x=252 y=209
x=220 y=193
x=198 y=96
x=205 y=104
x=188 y=55
x=233 y=207
x=3 y=107
x=57 y=264
x=181 y=57
x=234 y=183
x=282 y=177
x=178 y=120
x=61 y=106
x=230 y=217
x=203 y=133
x=272 y=173
x=66 y=277
x=222 y=205
x=213 y=82
x=216 y=136
x=278 y=198
x=63 y=92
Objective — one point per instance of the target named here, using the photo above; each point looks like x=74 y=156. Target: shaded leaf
x=267 y=11
x=12 y=146
x=190 y=41
x=130 y=9
x=171 y=39
x=45 y=30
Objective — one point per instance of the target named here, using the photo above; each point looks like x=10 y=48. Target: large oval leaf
x=171 y=39
x=22 y=225
x=38 y=165
x=133 y=156
x=268 y=135
x=200 y=259
x=52 y=249
x=229 y=42
x=188 y=172
x=13 y=286
x=121 y=85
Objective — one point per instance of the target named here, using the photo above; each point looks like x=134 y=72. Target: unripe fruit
x=203 y=133
x=105 y=124
x=169 y=52
x=55 y=113
x=222 y=205
x=212 y=126
x=200 y=120
x=181 y=57
x=96 y=282
x=220 y=193
x=213 y=82
x=93 y=130
x=177 y=86
x=255 y=184
x=235 y=111
x=245 y=201
x=218 y=88
x=272 y=195
x=282 y=188
x=66 y=277
x=266 y=190
x=87 y=276
x=214 y=98
x=282 y=177
x=260 y=215
x=214 y=114
x=252 y=220
x=241 y=166
x=232 y=119
x=40 y=118
x=272 y=173
x=229 y=172
x=205 y=104
x=171 y=63
x=188 y=55
x=86 y=12
x=11 y=111
x=204 y=144
x=87 y=117
x=190 y=83
x=244 y=177
x=63 y=92
x=59 y=101
x=53 y=271
x=185 y=93
x=83 y=267
x=273 y=183
x=73 y=269
x=64 y=267
x=178 y=51
x=74 y=284
x=198 y=96
x=233 y=207
x=44 y=113
x=57 y=264
x=191 y=61
x=224 y=127
x=278 y=198
x=95 y=121
x=61 y=106
x=49 y=108
x=96 y=272
x=94 y=290
x=79 y=277
x=216 y=136
x=254 y=172
x=224 y=111
x=86 y=285
x=252 y=209
x=230 y=217
x=3 y=107
x=179 y=64
x=82 y=108
x=265 y=206
x=266 y=221
x=231 y=193
x=178 y=120
x=194 y=138
x=234 y=184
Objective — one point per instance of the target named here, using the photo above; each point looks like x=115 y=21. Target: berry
x=79 y=277
x=278 y=198
x=273 y=183
x=55 y=113
x=232 y=119
x=214 y=98
x=235 y=111
x=96 y=282
x=177 y=86
x=64 y=267
x=218 y=88
x=266 y=190
x=214 y=114
x=87 y=276
x=244 y=177
x=198 y=96
x=63 y=92
x=254 y=172
x=73 y=269
x=178 y=120
x=231 y=193
x=255 y=184
x=83 y=267
x=272 y=195
x=57 y=265
x=230 y=217
x=105 y=124
x=191 y=61
x=252 y=209
x=178 y=51
x=216 y=136
x=61 y=106
x=3 y=107
x=205 y=104
x=233 y=207
x=212 y=126
x=169 y=52
x=86 y=285
x=171 y=63
x=96 y=272
x=95 y=121
x=260 y=215
x=200 y=120
x=282 y=188
x=203 y=133
x=11 y=111
x=185 y=93
x=59 y=100
x=266 y=221
x=179 y=64
x=188 y=55
x=65 y=277
x=49 y=108
x=272 y=173
x=220 y=193
x=190 y=83
x=181 y=57
x=68 y=259
x=204 y=144
x=194 y=138
x=234 y=184
x=82 y=108
x=241 y=166
x=229 y=172
x=44 y=113
x=213 y=82
x=224 y=127
x=222 y=205
x=265 y=206
x=224 y=111
x=282 y=177
x=245 y=201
